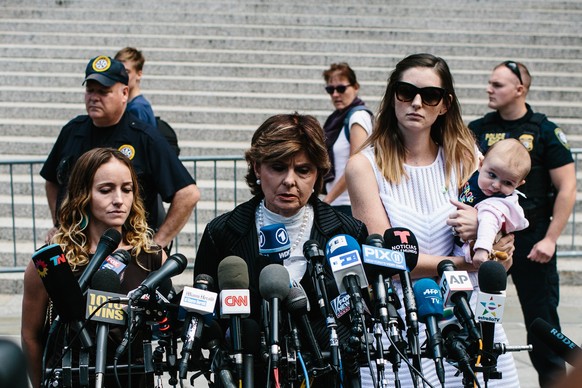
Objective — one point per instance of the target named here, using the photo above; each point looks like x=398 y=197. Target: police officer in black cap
x=550 y=190
x=108 y=125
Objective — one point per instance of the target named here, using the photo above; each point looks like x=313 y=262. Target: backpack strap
x=349 y=115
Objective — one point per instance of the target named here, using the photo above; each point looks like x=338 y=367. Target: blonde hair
x=448 y=131
x=74 y=213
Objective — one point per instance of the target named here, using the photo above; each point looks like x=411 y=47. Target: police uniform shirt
x=545 y=141
x=157 y=166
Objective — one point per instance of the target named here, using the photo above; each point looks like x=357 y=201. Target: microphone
x=108 y=281
x=430 y=310
x=297 y=307
x=274 y=287
x=490 y=304
x=274 y=243
x=383 y=264
x=107 y=243
x=174 y=265
x=117 y=262
x=343 y=255
x=199 y=303
x=556 y=341
x=251 y=335
x=456 y=288
x=454 y=344
x=403 y=240
x=64 y=291
x=233 y=281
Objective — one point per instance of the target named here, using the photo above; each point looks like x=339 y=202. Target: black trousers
x=537 y=287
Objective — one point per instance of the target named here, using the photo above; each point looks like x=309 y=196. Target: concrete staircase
x=217 y=69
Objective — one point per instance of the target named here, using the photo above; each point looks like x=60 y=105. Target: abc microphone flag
x=274 y=243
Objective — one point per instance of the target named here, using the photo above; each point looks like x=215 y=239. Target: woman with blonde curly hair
x=103 y=193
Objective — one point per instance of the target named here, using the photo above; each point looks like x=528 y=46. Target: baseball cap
x=106 y=71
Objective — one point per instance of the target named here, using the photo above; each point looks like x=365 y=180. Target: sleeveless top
x=421 y=204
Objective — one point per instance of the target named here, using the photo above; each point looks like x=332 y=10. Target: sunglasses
x=340 y=88
x=514 y=69
x=430 y=95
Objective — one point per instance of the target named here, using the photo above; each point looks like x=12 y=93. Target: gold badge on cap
x=101 y=64
x=127 y=150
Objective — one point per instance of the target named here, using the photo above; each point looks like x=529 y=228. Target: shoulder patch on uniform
x=527 y=140
x=127 y=150
x=562 y=137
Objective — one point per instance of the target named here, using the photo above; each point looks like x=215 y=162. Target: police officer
x=551 y=181
x=107 y=124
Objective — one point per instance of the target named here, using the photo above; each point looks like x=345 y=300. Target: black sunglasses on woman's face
x=340 y=88
x=430 y=95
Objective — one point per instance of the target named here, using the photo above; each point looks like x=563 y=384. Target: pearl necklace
x=302 y=228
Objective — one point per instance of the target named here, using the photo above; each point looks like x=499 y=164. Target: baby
x=492 y=191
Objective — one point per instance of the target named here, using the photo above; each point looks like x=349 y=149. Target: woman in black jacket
x=286 y=165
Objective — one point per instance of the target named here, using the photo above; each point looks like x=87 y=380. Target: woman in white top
x=421 y=153
x=345 y=129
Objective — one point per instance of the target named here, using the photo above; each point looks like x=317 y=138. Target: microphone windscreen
x=445 y=265
x=296 y=301
x=111 y=238
x=403 y=240
x=60 y=283
x=555 y=340
x=274 y=282
x=212 y=332
x=204 y=282
x=250 y=336
x=122 y=256
x=233 y=274
x=341 y=243
x=106 y=280
x=274 y=242
x=375 y=240
x=492 y=277
x=428 y=299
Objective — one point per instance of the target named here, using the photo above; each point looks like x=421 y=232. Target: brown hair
x=131 y=54
x=282 y=136
x=74 y=213
x=344 y=70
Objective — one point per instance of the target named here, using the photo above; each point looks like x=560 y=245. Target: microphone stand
x=380 y=364
x=329 y=320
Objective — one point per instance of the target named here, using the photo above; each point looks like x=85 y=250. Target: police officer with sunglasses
x=550 y=192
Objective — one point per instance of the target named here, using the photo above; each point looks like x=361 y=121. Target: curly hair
x=448 y=131
x=74 y=213
x=282 y=136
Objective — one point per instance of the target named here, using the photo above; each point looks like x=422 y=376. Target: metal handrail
x=218 y=174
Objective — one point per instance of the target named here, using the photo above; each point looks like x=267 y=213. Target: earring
x=258 y=181
x=84 y=222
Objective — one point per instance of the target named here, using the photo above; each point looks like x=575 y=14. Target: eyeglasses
x=430 y=95
x=340 y=88
x=511 y=65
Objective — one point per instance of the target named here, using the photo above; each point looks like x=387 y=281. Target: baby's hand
x=480 y=256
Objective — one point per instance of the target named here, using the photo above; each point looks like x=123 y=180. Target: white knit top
x=421 y=204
